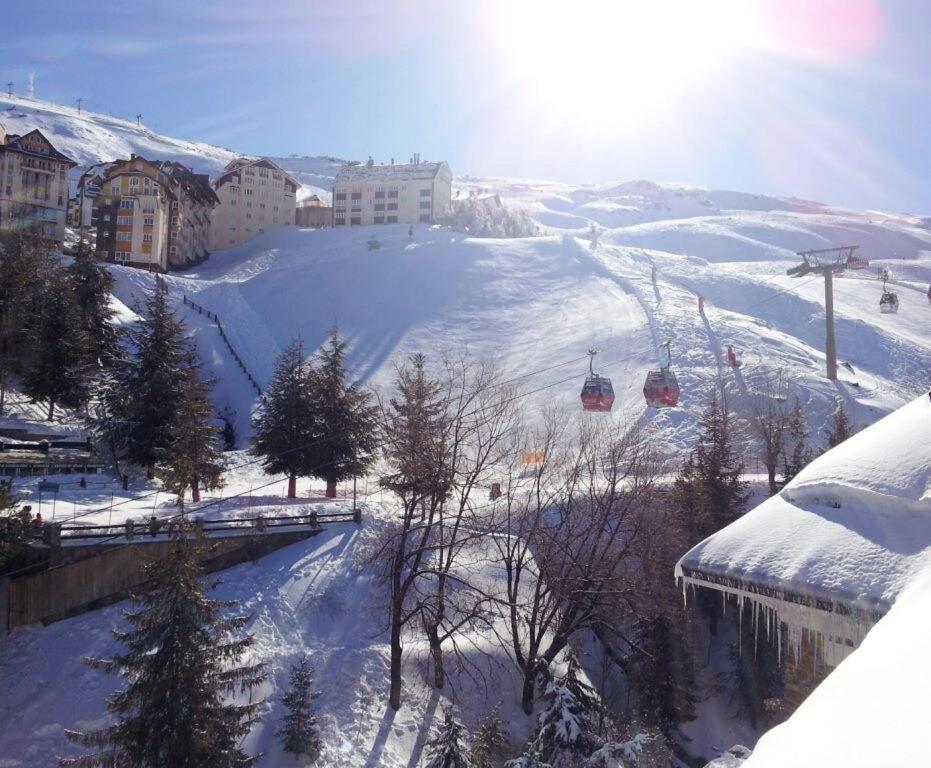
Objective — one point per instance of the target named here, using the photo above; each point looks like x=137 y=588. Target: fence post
x=357 y=516
x=312 y=520
x=129 y=528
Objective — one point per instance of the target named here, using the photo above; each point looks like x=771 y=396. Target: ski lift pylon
x=597 y=391
x=661 y=389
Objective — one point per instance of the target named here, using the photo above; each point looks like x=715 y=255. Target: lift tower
x=828 y=262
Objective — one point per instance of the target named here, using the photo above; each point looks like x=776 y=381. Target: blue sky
x=823 y=99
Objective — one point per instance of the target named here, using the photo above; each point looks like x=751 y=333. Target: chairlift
x=597 y=391
x=661 y=388
x=889 y=301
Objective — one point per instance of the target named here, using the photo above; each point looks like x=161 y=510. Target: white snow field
x=535 y=305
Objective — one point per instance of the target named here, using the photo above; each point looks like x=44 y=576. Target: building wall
x=389 y=196
x=253 y=200
x=133 y=214
x=33 y=194
x=313 y=216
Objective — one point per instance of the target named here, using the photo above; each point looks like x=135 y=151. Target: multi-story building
x=83 y=207
x=154 y=215
x=33 y=185
x=313 y=213
x=391 y=194
x=255 y=196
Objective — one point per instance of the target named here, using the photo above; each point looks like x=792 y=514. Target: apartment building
x=255 y=196
x=391 y=194
x=154 y=215
x=33 y=185
x=83 y=207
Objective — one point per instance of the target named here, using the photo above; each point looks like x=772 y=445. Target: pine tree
x=527 y=760
x=285 y=426
x=839 y=429
x=566 y=727
x=343 y=417
x=299 y=732
x=709 y=488
x=146 y=390
x=14 y=529
x=181 y=657
x=448 y=748
x=93 y=285
x=490 y=741
x=64 y=361
x=191 y=457
x=799 y=455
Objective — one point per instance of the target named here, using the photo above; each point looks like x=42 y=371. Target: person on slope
x=701 y=305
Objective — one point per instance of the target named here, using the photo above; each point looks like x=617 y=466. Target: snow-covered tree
x=448 y=749
x=146 y=390
x=182 y=657
x=798 y=453
x=566 y=726
x=641 y=751
x=490 y=742
x=191 y=457
x=527 y=760
x=344 y=419
x=285 y=426
x=93 y=285
x=299 y=732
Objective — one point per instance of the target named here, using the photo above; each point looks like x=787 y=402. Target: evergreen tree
x=93 y=285
x=285 y=426
x=839 y=429
x=490 y=741
x=299 y=732
x=708 y=488
x=448 y=748
x=344 y=419
x=14 y=529
x=566 y=727
x=191 y=456
x=147 y=389
x=527 y=760
x=181 y=658
x=799 y=454
x=64 y=360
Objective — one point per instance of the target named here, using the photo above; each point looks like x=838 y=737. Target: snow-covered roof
x=376 y=172
x=851 y=528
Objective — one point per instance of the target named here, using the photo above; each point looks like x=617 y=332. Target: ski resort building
x=154 y=215
x=255 y=196
x=89 y=188
x=816 y=566
x=391 y=194
x=33 y=185
x=313 y=213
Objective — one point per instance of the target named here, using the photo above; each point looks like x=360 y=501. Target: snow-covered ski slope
x=541 y=302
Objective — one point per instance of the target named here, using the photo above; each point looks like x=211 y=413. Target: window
x=425 y=205
x=392 y=193
x=379 y=206
x=115 y=188
x=124 y=220
x=126 y=205
x=248 y=203
x=380 y=194
x=121 y=256
x=106 y=217
x=124 y=236
x=261 y=205
x=232 y=202
x=340 y=195
x=339 y=222
x=379 y=219
x=148 y=221
x=355 y=220
x=425 y=217
x=249 y=192
x=392 y=206
x=133 y=181
x=234 y=190
x=356 y=195
x=392 y=219
x=426 y=192
x=147 y=237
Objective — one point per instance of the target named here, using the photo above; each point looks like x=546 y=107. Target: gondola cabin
x=597 y=394
x=661 y=389
x=889 y=303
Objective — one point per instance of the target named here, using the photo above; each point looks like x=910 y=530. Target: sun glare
x=617 y=59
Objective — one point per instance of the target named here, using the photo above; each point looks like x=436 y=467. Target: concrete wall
x=98 y=575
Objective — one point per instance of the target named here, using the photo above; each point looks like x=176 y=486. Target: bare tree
x=566 y=538
x=770 y=420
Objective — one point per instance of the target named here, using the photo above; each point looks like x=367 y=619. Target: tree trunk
x=195 y=489
x=530 y=682
x=330 y=489
x=394 y=698
x=51 y=410
x=771 y=476
x=150 y=472
x=292 y=486
x=436 y=653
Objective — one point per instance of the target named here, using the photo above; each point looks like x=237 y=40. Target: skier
x=731 y=357
x=154 y=525
x=410 y=232
x=701 y=305
x=37 y=522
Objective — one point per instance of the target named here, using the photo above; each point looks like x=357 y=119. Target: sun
x=616 y=60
